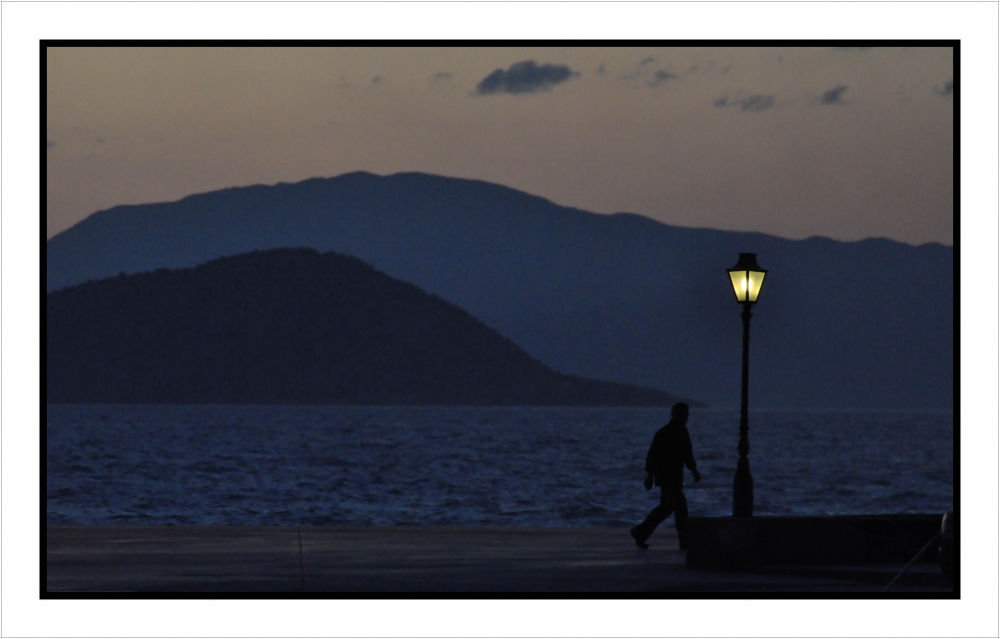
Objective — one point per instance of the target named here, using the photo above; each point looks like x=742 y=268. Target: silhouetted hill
x=864 y=324
x=291 y=326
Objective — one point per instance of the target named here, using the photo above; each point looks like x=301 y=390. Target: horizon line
x=51 y=236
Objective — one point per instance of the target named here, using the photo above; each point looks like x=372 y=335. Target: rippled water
x=327 y=465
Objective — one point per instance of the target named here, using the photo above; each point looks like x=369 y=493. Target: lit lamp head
x=747 y=278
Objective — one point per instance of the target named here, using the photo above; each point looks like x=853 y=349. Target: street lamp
x=747 y=277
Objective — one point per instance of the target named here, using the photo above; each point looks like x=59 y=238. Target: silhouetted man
x=665 y=461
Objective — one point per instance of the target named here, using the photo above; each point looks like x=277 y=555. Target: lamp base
x=743 y=490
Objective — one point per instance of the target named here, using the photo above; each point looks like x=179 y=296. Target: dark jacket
x=669 y=453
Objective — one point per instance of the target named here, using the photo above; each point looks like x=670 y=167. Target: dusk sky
x=847 y=143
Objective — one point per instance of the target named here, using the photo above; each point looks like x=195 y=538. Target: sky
x=842 y=142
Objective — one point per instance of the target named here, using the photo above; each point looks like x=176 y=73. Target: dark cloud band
x=749 y=103
x=756 y=103
x=662 y=76
x=833 y=95
x=525 y=77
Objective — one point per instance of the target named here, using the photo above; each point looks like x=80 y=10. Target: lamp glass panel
x=756 y=281
x=739 y=284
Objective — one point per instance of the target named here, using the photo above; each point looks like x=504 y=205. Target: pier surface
x=416 y=559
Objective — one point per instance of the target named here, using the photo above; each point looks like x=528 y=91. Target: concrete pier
x=414 y=559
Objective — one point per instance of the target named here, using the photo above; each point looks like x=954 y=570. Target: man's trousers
x=672 y=500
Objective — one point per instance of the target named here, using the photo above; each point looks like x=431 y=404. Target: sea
x=499 y=466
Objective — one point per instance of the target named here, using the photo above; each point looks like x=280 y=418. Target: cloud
x=377 y=79
x=525 y=77
x=660 y=77
x=647 y=75
x=750 y=103
x=342 y=83
x=946 y=89
x=833 y=95
x=756 y=103
x=442 y=81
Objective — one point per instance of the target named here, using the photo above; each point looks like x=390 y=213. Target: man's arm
x=651 y=456
x=689 y=458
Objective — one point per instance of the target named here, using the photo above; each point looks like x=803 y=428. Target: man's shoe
x=639 y=542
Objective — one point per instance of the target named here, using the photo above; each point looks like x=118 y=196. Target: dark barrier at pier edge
x=748 y=542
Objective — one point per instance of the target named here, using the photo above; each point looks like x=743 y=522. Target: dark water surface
x=333 y=465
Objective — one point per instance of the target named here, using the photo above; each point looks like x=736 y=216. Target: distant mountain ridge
x=291 y=326
x=620 y=297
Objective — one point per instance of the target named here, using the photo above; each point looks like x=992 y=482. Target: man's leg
x=681 y=517
x=656 y=516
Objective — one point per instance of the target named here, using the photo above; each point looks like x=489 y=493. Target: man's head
x=679 y=413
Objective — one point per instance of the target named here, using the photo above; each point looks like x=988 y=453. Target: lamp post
x=747 y=277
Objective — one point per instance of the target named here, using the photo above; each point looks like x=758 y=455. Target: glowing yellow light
x=747 y=282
